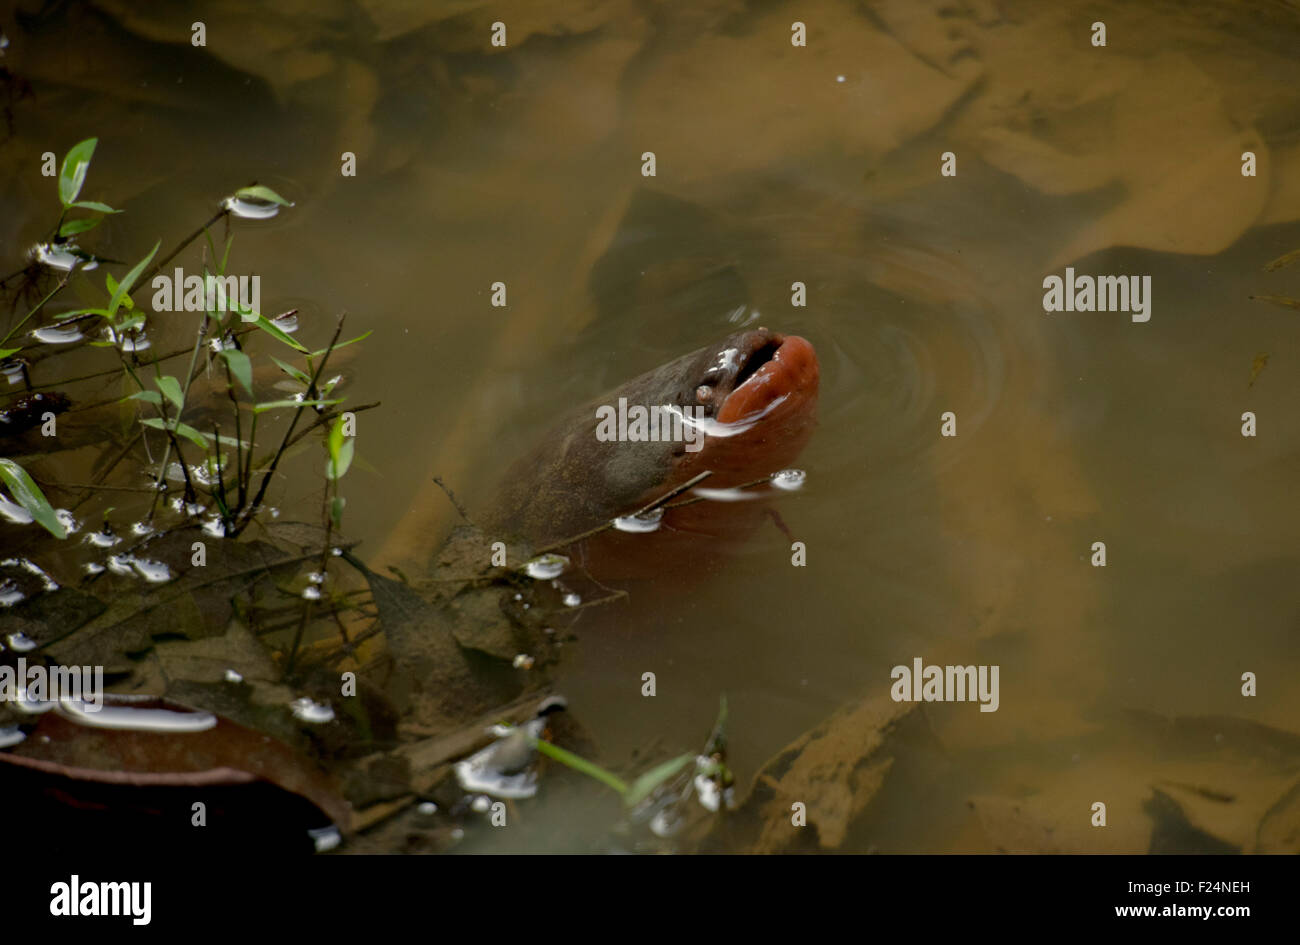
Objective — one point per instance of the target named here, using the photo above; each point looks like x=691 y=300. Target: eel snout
x=764 y=369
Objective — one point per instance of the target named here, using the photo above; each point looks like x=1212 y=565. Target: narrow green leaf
x=73 y=227
x=73 y=173
x=27 y=494
x=643 y=786
x=196 y=437
x=278 y=404
x=335 y=442
x=181 y=429
x=577 y=763
x=338 y=465
x=241 y=367
x=95 y=205
x=130 y=323
x=262 y=192
x=129 y=280
x=148 y=396
x=171 y=389
x=336 y=510
x=342 y=344
x=270 y=328
x=225 y=257
x=5 y=352
x=292 y=371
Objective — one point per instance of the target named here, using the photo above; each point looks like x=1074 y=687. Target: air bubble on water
x=789 y=479
x=13 y=512
x=199 y=473
x=725 y=495
x=316 y=577
x=10 y=593
x=93 y=567
x=136 y=342
x=57 y=256
x=523 y=661
x=233 y=677
x=287 y=323
x=665 y=823
x=155 y=572
x=11 y=735
x=13 y=371
x=325 y=838
x=646 y=522
x=427 y=808
x=215 y=527
x=481 y=804
x=102 y=539
x=55 y=335
x=572 y=600
x=336 y=552
x=31 y=568
x=121 y=564
x=545 y=567
x=307 y=710
x=311 y=592
x=20 y=642
x=134 y=719
x=70 y=524
x=30 y=706
x=128 y=340
x=708 y=793
x=494 y=771
x=248 y=208
x=141 y=528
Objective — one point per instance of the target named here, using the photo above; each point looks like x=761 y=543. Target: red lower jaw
x=792 y=370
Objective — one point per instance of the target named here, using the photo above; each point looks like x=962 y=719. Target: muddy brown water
x=778 y=164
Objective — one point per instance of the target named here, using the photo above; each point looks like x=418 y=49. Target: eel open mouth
x=773 y=367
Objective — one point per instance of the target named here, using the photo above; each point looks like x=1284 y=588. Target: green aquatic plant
x=29 y=495
x=710 y=764
x=164 y=397
x=209 y=435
